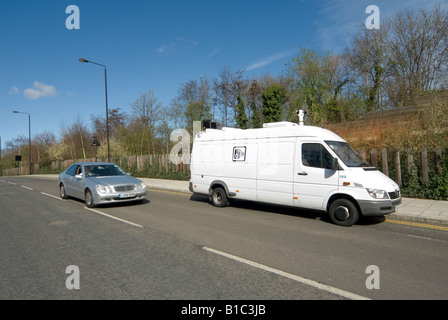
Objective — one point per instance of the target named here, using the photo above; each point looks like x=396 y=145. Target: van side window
x=315 y=155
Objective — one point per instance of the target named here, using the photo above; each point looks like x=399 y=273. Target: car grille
x=130 y=187
x=394 y=195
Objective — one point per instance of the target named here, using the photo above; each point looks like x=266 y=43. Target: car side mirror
x=334 y=164
x=78 y=176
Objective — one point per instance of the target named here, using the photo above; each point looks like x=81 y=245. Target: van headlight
x=378 y=194
x=104 y=189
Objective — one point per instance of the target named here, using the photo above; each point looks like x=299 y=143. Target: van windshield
x=347 y=154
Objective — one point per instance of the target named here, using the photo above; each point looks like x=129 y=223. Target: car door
x=67 y=180
x=315 y=180
x=78 y=183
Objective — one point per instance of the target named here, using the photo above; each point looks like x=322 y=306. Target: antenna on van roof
x=301 y=113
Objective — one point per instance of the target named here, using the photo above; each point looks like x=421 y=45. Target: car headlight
x=140 y=186
x=104 y=189
x=378 y=194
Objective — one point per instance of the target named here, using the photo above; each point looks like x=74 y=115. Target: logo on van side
x=239 y=154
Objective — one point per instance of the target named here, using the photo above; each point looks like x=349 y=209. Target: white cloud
x=213 y=53
x=14 y=90
x=39 y=90
x=178 y=42
x=271 y=59
x=338 y=20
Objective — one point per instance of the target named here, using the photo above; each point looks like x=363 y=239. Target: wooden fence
x=382 y=161
x=161 y=166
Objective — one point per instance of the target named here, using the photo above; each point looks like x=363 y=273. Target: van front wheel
x=343 y=212
x=219 y=198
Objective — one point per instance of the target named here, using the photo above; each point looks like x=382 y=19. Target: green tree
x=316 y=81
x=241 y=117
x=273 y=100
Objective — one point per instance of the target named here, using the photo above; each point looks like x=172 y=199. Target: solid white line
x=27 y=188
x=309 y=282
x=50 y=195
x=122 y=220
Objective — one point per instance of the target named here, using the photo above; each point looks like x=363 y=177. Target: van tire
x=343 y=212
x=219 y=198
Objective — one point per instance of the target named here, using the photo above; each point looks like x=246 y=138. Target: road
x=177 y=247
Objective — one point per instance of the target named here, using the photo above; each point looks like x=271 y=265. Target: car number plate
x=126 y=195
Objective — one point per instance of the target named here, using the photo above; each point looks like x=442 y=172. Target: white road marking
x=28 y=188
x=339 y=292
x=50 y=195
x=112 y=217
x=12 y=183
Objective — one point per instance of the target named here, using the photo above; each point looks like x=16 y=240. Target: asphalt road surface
x=177 y=247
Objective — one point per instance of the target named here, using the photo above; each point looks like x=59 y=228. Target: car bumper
x=378 y=208
x=119 y=197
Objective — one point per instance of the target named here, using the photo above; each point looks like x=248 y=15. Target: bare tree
x=419 y=50
x=147 y=112
x=368 y=56
x=192 y=103
x=227 y=87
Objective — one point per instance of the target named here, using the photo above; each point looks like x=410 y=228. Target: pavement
x=411 y=209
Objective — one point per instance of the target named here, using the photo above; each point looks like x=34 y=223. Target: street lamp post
x=107 y=108
x=29 y=136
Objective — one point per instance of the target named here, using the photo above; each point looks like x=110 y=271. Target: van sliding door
x=275 y=170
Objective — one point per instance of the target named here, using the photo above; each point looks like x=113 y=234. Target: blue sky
x=152 y=45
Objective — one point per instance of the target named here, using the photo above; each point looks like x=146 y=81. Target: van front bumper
x=378 y=208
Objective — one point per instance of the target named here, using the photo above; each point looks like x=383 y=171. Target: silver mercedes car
x=99 y=183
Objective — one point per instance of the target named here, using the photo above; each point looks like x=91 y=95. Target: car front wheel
x=89 y=199
x=62 y=191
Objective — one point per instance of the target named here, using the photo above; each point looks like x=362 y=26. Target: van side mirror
x=334 y=164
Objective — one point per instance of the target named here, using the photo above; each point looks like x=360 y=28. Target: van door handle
x=302 y=173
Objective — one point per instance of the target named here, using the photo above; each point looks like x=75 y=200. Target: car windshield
x=103 y=170
x=347 y=154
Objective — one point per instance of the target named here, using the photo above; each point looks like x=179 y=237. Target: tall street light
x=107 y=108
x=29 y=135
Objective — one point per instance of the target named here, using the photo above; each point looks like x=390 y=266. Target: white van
x=290 y=164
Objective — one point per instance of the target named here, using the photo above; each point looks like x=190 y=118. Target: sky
x=152 y=44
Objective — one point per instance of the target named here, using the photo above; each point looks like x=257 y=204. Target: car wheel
x=62 y=191
x=219 y=198
x=89 y=199
x=343 y=212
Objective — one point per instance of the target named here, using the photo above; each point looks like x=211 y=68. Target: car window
x=78 y=170
x=103 y=171
x=71 y=170
x=315 y=155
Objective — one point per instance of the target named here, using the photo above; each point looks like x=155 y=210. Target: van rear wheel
x=219 y=198
x=343 y=212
